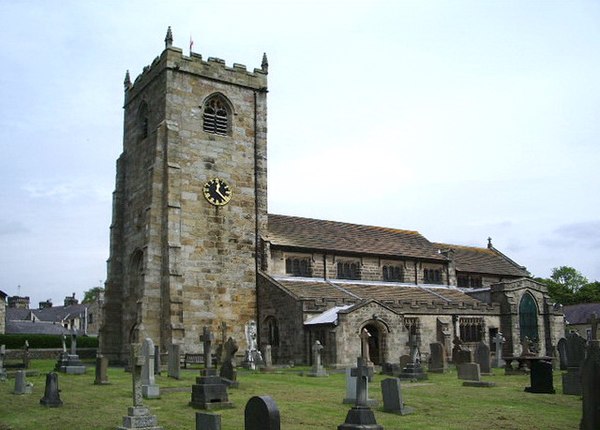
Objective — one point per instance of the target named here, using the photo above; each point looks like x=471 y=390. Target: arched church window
x=528 y=317
x=217 y=116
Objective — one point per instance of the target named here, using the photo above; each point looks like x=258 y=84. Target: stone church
x=192 y=243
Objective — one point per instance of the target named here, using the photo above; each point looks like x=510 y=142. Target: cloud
x=582 y=234
x=66 y=191
x=12 y=227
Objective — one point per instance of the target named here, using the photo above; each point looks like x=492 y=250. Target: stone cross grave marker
x=207 y=339
x=223 y=341
x=64 y=343
x=317 y=367
x=362 y=373
x=51 y=397
x=150 y=390
x=261 y=413
x=360 y=416
x=499 y=343
x=73 y=344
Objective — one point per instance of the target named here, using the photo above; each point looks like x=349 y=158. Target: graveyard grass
x=304 y=402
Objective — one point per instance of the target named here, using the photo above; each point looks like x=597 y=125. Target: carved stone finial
x=265 y=63
x=490 y=246
x=127 y=81
x=169 y=38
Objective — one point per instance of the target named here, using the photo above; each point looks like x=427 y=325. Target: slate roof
x=313 y=288
x=483 y=260
x=30 y=327
x=53 y=314
x=336 y=236
x=581 y=313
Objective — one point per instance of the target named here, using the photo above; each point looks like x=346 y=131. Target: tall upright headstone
x=360 y=416
x=317 y=367
x=575 y=356
x=174 y=367
x=2 y=369
x=138 y=416
x=562 y=353
x=590 y=377
x=101 y=370
x=482 y=357
x=51 y=397
x=437 y=358
x=26 y=354
x=21 y=384
x=228 y=371
x=268 y=358
x=391 y=392
x=157 y=362
x=541 y=377
x=150 y=390
x=261 y=413
x=207 y=338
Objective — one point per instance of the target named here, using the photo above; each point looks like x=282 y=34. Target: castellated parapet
x=178 y=262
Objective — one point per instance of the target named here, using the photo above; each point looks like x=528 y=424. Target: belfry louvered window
x=216 y=116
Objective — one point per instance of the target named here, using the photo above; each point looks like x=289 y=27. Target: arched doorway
x=528 y=318
x=375 y=343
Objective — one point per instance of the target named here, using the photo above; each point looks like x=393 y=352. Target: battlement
x=172 y=59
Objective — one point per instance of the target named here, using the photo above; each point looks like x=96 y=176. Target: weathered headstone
x=174 y=367
x=26 y=354
x=413 y=369
x=482 y=357
x=404 y=360
x=207 y=339
x=252 y=357
x=51 y=397
x=499 y=343
x=69 y=362
x=73 y=344
x=157 y=363
x=575 y=356
x=391 y=392
x=208 y=421
x=21 y=384
x=139 y=416
x=223 y=341
x=150 y=390
x=541 y=377
x=268 y=367
x=360 y=416
x=437 y=358
x=562 y=352
x=209 y=391
x=317 y=368
x=261 y=413
x=590 y=377
x=228 y=372
x=469 y=371
x=2 y=369
x=101 y=370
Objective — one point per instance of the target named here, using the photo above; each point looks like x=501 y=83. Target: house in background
x=53 y=320
x=578 y=318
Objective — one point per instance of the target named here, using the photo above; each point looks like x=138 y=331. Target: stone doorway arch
x=377 y=341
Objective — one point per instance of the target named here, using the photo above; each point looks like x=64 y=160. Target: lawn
x=304 y=403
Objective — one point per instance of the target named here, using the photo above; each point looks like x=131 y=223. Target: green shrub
x=40 y=341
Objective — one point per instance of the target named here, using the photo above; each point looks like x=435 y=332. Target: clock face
x=217 y=192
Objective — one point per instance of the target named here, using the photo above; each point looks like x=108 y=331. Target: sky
x=460 y=119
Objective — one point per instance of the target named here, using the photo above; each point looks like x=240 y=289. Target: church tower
x=190 y=202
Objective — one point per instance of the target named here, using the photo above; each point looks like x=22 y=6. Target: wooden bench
x=189 y=358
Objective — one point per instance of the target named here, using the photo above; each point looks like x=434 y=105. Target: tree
x=568 y=277
x=589 y=293
x=91 y=295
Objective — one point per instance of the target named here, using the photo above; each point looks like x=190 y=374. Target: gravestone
x=51 y=397
x=101 y=370
x=150 y=390
x=562 y=352
x=207 y=421
x=2 y=369
x=351 y=390
x=228 y=372
x=360 y=416
x=482 y=357
x=365 y=336
x=499 y=343
x=69 y=362
x=404 y=360
x=139 y=416
x=471 y=375
x=157 y=363
x=392 y=397
x=207 y=339
x=571 y=380
x=174 y=365
x=21 y=384
x=317 y=368
x=413 y=369
x=224 y=338
x=590 y=377
x=252 y=357
x=209 y=391
x=437 y=359
x=261 y=413
x=541 y=377
x=268 y=367
x=26 y=354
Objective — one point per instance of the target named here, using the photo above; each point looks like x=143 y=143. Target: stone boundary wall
x=46 y=353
